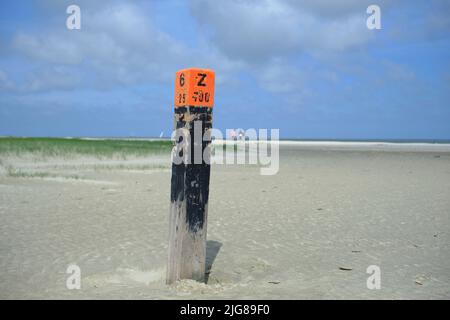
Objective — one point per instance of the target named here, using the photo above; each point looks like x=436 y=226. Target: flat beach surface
x=308 y=232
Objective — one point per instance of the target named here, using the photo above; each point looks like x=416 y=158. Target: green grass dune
x=63 y=147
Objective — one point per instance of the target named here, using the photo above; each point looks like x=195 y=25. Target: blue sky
x=310 y=68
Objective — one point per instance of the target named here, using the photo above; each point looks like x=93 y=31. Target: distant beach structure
x=238 y=134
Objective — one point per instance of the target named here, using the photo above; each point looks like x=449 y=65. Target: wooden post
x=194 y=97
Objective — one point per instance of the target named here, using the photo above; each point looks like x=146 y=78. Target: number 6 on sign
x=194 y=87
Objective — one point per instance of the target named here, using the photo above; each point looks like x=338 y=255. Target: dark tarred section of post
x=190 y=182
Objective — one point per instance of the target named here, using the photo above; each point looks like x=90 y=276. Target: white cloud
x=118 y=43
x=398 y=71
x=41 y=79
x=257 y=31
x=279 y=77
x=48 y=48
x=5 y=82
x=332 y=9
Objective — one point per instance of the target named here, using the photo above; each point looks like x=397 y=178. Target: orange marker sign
x=194 y=87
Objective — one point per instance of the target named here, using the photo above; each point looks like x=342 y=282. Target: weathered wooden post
x=194 y=97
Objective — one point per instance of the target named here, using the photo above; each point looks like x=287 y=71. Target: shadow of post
x=212 y=249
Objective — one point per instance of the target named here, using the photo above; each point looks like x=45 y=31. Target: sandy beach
x=308 y=232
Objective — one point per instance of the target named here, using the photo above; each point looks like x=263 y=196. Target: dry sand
x=269 y=237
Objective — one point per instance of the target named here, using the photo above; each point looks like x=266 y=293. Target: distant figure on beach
x=233 y=135
x=238 y=135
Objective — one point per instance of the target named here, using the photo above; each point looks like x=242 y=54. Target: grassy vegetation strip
x=67 y=146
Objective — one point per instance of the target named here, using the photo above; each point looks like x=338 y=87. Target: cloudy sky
x=310 y=68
